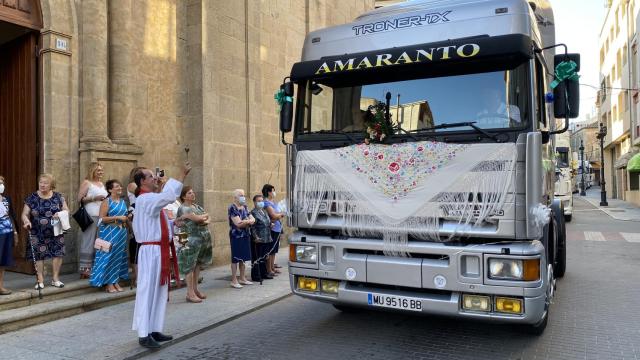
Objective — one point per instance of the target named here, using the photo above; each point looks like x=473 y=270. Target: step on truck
x=420 y=168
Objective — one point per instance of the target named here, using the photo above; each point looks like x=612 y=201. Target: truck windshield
x=562 y=159
x=493 y=100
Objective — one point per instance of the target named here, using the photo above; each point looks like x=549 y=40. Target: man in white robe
x=151 y=295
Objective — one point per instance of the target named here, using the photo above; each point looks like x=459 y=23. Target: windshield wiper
x=471 y=124
x=331 y=132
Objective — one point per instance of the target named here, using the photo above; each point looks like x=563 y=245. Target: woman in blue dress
x=240 y=220
x=112 y=266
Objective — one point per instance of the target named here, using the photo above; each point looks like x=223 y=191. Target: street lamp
x=582 y=190
x=603 y=192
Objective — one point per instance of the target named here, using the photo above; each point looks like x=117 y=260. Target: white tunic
x=151 y=297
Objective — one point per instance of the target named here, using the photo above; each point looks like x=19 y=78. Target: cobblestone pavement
x=594 y=316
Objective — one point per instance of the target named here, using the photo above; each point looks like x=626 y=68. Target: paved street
x=595 y=316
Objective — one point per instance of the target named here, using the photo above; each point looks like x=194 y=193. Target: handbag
x=82 y=218
x=102 y=245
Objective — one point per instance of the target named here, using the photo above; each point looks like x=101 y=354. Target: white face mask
x=1 y=188
x=274 y=193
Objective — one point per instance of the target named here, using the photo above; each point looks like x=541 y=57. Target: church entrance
x=20 y=24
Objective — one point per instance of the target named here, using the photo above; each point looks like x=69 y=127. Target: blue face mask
x=242 y=200
x=260 y=204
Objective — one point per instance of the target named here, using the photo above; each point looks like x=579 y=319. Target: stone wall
x=142 y=79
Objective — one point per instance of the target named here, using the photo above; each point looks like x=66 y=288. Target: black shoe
x=158 y=336
x=148 y=342
x=268 y=277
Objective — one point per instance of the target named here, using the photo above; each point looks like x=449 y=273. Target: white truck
x=452 y=211
x=565 y=184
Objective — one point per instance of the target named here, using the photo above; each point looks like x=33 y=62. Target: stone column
x=120 y=67
x=95 y=71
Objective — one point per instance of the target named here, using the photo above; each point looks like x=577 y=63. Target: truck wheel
x=567 y=218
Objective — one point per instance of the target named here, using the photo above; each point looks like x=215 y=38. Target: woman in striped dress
x=112 y=266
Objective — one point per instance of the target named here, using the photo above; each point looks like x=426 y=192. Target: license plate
x=395 y=302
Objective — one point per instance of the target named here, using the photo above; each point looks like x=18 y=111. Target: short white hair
x=238 y=193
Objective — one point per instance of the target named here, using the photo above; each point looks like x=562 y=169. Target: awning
x=623 y=160
x=634 y=163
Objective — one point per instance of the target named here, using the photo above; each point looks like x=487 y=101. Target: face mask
x=242 y=200
x=1 y=188
x=274 y=193
x=260 y=204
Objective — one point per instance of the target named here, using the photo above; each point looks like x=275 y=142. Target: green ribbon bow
x=565 y=70
x=281 y=98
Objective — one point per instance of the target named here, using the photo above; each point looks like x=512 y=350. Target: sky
x=578 y=24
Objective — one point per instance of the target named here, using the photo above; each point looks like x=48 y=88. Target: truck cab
x=452 y=212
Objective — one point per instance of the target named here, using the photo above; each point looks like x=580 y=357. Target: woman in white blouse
x=91 y=194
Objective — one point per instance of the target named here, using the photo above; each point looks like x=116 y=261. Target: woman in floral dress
x=40 y=209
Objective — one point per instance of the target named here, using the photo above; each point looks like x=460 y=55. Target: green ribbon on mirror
x=281 y=98
x=565 y=70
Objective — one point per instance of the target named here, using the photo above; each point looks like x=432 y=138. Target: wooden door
x=18 y=128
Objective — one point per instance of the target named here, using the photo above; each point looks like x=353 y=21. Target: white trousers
x=151 y=298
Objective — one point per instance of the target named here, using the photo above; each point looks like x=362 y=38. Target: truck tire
x=567 y=218
x=560 y=258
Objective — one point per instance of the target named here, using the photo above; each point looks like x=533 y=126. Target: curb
x=197 y=332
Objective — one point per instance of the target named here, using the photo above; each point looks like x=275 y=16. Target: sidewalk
x=617 y=209
x=106 y=333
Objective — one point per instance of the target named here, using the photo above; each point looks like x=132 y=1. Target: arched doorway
x=20 y=25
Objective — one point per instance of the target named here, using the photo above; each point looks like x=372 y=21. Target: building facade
x=134 y=82
x=618 y=97
x=585 y=134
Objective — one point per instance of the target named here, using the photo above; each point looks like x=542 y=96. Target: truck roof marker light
x=502 y=10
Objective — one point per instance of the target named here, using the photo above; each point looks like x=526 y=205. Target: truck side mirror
x=286 y=109
x=572 y=87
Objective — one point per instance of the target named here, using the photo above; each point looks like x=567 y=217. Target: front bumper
x=373 y=273
x=444 y=304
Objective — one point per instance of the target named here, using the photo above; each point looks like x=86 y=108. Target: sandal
x=5 y=292
x=196 y=300
x=59 y=284
x=245 y=282
x=201 y=295
x=236 y=286
x=39 y=286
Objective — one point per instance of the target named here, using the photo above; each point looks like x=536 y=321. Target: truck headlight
x=304 y=253
x=514 y=269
